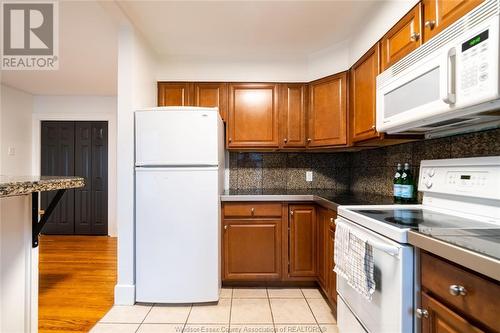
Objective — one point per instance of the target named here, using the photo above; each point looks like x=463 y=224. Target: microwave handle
x=450 y=96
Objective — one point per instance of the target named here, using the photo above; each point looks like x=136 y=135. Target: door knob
x=422 y=313
x=414 y=36
x=457 y=290
x=430 y=24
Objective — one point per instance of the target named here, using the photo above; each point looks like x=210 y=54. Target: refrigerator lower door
x=177 y=235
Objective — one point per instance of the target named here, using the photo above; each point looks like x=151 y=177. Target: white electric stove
x=461 y=205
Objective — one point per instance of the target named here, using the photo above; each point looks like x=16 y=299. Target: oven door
x=391 y=307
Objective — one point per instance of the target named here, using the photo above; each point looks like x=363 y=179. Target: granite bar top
x=326 y=198
x=22 y=185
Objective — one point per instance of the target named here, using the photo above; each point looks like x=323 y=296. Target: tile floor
x=239 y=310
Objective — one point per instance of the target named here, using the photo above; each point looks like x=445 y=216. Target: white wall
x=136 y=88
x=83 y=108
x=15 y=131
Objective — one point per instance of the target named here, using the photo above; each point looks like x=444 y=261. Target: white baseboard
x=124 y=294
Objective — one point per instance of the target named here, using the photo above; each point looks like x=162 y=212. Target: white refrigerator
x=179 y=176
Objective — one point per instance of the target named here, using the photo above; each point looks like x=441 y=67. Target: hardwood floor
x=77 y=277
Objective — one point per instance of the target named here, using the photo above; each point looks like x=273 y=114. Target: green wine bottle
x=407 y=185
x=397 y=184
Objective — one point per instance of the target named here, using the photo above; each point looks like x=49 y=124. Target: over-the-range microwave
x=448 y=85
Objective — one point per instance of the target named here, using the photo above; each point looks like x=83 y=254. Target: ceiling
x=88 y=44
x=246 y=29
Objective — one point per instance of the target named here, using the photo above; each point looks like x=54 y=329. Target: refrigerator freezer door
x=177 y=235
x=177 y=138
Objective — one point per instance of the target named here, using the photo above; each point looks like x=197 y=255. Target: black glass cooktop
x=471 y=234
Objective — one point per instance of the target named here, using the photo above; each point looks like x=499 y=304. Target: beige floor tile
x=284 y=293
x=114 y=328
x=126 y=314
x=292 y=328
x=249 y=293
x=329 y=328
x=251 y=328
x=291 y=311
x=321 y=311
x=168 y=314
x=206 y=329
x=226 y=292
x=211 y=313
x=251 y=311
x=161 y=328
x=312 y=293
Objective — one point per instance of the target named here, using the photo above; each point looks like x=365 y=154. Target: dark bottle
x=407 y=186
x=397 y=184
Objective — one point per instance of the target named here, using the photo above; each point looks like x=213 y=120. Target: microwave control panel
x=474 y=59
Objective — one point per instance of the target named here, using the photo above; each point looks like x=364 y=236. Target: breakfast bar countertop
x=326 y=198
x=22 y=185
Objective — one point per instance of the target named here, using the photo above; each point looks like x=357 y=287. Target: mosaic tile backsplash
x=366 y=171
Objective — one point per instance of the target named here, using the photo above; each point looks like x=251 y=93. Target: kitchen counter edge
x=475 y=261
x=23 y=185
x=285 y=197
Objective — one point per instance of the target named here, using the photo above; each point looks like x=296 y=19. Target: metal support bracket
x=37 y=225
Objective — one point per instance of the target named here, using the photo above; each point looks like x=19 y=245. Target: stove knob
x=428 y=183
x=431 y=172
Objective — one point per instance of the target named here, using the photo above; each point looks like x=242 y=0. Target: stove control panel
x=474 y=177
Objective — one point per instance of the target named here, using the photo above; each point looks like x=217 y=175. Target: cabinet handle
x=331 y=219
x=252 y=210
x=457 y=290
x=225 y=227
x=422 y=313
x=414 y=36
x=230 y=140
x=373 y=127
x=309 y=140
x=291 y=212
x=285 y=140
x=430 y=24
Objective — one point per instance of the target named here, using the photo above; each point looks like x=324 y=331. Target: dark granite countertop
x=328 y=198
x=22 y=185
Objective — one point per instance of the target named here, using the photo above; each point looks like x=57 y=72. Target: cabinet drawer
x=481 y=299
x=250 y=209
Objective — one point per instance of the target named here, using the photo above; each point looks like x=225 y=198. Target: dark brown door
x=58 y=159
x=302 y=241
x=81 y=149
x=252 y=249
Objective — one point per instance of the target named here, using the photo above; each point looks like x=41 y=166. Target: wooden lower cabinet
x=440 y=319
x=252 y=249
x=302 y=241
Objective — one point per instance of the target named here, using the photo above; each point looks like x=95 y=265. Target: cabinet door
x=403 y=38
x=302 y=241
x=253 y=115
x=293 y=115
x=332 y=276
x=440 y=319
x=174 y=94
x=362 y=95
x=210 y=95
x=252 y=249
x=327 y=111
x=439 y=14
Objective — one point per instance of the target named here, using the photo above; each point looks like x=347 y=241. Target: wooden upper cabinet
x=439 y=14
x=328 y=111
x=440 y=319
x=403 y=38
x=174 y=94
x=211 y=95
x=253 y=115
x=302 y=241
x=292 y=108
x=362 y=96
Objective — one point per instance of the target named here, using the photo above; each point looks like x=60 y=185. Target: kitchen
x=271 y=167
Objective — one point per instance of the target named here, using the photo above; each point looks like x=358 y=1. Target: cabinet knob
x=430 y=24
x=309 y=140
x=285 y=140
x=414 y=36
x=457 y=290
x=373 y=127
x=225 y=227
x=291 y=212
x=331 y=219
x=422 y=313
x=230 y=140
x=252 y=210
